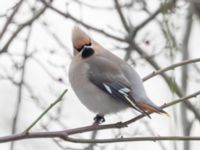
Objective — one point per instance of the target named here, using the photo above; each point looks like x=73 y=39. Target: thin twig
x=167 y=6
x=21 y=27
x=145 y=22
x=9 y=20
x=176 y=88
x=171 y=67
x=167 y=105
x=64 y=134
x=48 y=108
x=20 y=86
x=121 y=15
x=69 y=16
x=136 y=139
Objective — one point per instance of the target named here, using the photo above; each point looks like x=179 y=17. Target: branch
x=121 y=15
x=167 y=79
x=155 y=65
x=145 y=22
x=64 y=134
x=45 y=69
x=20 y=86
x=9 y=20
x=135 y=139
x=21 y=27
x=126 y=5
x=69 y=16
x=50 y=106
x=167 y=105
x=151 y=17
x=171 y=67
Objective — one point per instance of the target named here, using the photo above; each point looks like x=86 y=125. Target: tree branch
x=167 y=6
x=21 y=27
x=171 y=67
x=121 y=15
x=48 y=108
x=64 y=134
x=69 y=16
x=9 y=20
x=135 y=139
x=167 y=79
x=20 y=86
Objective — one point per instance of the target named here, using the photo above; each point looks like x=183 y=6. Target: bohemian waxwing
x=103 y=82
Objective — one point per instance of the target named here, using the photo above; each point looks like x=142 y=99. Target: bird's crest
x=79 y=38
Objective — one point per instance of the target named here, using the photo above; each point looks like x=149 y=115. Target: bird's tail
x=152 y=108
x=165 y=113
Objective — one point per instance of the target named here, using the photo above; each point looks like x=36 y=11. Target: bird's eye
x=86 y=51
x=81 y=48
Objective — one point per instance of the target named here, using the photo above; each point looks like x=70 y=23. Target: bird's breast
x=90 y=95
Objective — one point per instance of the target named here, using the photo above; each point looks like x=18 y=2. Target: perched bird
x=103 y=82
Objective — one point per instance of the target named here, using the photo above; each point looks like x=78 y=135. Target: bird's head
x=81 y=43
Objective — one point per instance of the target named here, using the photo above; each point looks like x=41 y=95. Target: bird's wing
x=106 y=75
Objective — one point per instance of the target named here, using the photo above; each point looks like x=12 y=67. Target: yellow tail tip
x=166 y=114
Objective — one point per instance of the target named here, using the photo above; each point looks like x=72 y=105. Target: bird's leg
x=98 y=119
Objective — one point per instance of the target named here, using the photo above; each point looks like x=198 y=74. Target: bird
x=103 y=82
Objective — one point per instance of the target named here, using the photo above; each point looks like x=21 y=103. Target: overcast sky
x=74 y=114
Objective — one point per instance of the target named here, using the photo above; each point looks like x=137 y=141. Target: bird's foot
x=98 y=119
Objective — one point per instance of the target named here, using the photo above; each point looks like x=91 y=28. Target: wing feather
x=112 y=82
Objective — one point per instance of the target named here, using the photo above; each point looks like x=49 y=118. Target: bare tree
x=34 y=55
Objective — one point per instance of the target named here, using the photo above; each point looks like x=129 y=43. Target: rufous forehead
x=79 y=38
x=80 y=42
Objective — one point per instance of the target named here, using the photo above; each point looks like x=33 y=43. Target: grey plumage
x=103 y=82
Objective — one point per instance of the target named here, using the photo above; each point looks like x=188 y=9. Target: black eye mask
x=80 y=49
x=86 y=51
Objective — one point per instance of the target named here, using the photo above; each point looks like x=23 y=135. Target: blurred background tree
x=35 y=52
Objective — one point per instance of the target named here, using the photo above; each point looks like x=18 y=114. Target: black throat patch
x=87 y=52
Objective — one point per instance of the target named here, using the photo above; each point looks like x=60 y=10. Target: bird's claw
x=98 y=119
